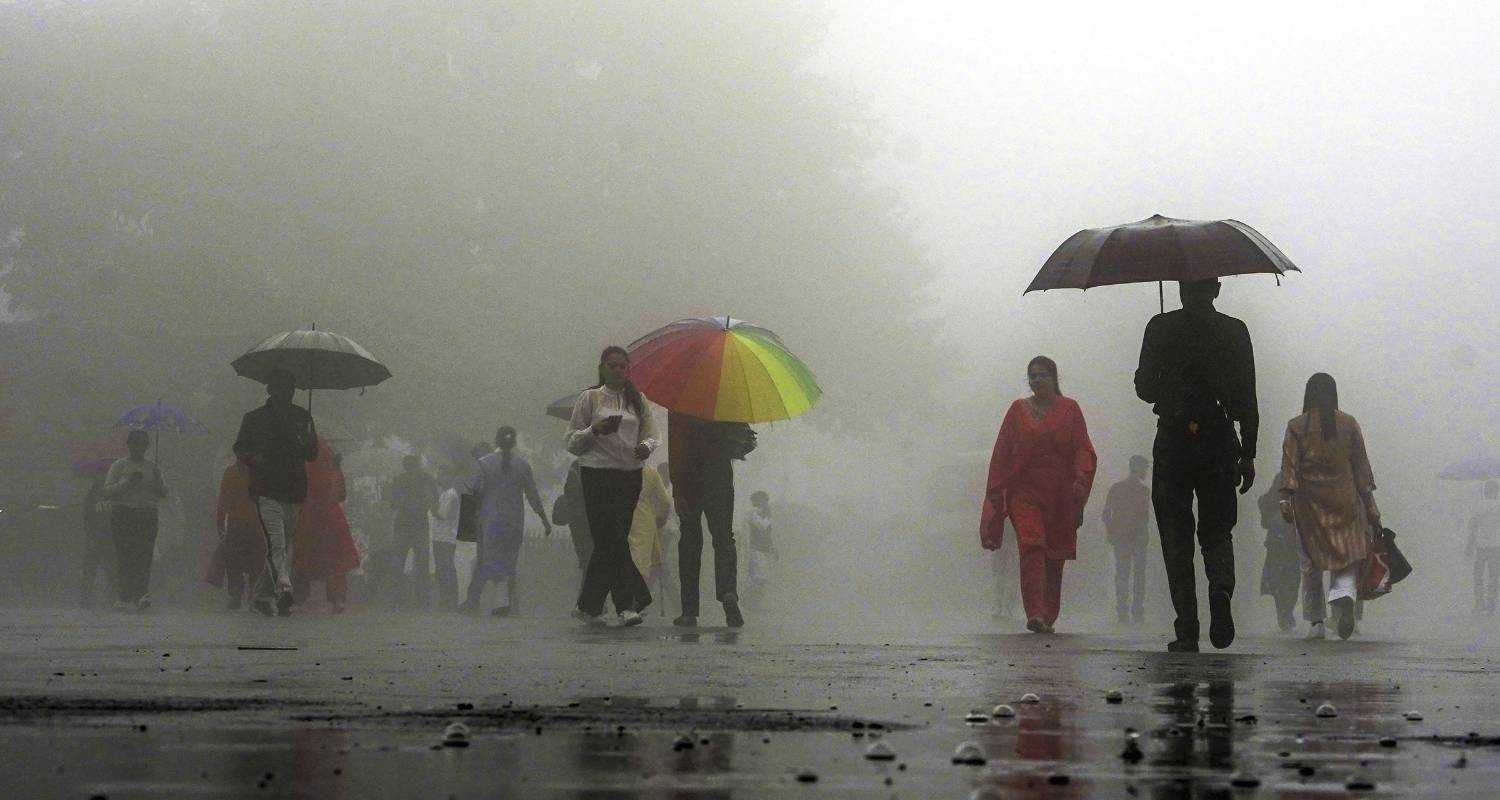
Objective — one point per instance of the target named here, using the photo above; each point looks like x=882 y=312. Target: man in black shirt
x=1198 y=369
x=276 y=441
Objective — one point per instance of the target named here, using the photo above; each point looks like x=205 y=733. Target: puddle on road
x=629 y=713
x=1197 y=739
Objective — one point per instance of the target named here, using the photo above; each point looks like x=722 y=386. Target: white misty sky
x=1361 y=141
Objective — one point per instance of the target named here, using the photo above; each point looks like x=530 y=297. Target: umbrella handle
x=1161 y=297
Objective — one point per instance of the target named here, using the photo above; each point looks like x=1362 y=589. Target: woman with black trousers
x=134 y=488
x=612 y=434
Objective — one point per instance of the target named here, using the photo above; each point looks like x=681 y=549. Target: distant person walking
x=1197 y=368
x=502 y=481
x=413 y=496
x=276 y=441
x=652 y=511
x=1484 y=547
x=763 y=555
x=702 y=455
x=324 y=548
x=443 y=529
x=1041 y=474
x=98 y=542
x=1328 y=494
x=135 y=489
x=240 y=553
x=568 y=509
x=612 y=433
x=1127 y=517
x=1281 y=574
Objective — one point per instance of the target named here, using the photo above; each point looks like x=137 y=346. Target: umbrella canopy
x=1160 y=249
x=318 y=359
x=159 y=417
x=562 y=407
x=1478 y=468
x=723 y=369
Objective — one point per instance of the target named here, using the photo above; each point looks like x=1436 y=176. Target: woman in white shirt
x=612 y=434
x=134 y=488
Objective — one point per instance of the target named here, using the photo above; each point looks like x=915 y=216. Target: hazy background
x=486 y=194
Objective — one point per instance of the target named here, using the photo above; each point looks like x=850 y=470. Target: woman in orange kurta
x=241 y=548
x=1041 y=473
x=1328 y=494
x=322 y=547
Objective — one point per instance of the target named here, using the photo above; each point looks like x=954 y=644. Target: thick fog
x=484 y=195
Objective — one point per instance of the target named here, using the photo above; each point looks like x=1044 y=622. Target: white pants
x=278 y=519
x=1341 y=583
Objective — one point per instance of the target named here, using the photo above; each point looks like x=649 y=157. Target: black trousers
x=609 y=497
x=715 y=502
x=1200 y=466
x=97 y=547
x=1130 y=580
x=447 y=574
x=134 y=531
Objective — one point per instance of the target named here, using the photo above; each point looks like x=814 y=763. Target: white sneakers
x=630 y=619
x=1318 y=631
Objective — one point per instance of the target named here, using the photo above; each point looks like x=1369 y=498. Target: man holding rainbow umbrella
x=715 y=376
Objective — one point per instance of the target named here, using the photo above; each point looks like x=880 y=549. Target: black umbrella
x=1160 y=249
x=317 y=359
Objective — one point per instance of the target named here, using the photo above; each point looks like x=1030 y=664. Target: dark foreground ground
x=188 y=705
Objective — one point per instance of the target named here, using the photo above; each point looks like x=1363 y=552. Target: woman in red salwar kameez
x=322 y=547
x=1041 y=473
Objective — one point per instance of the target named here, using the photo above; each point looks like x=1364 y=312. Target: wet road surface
x=204 y=705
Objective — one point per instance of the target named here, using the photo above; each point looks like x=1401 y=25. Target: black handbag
x=468 y=517
x=1400 y=567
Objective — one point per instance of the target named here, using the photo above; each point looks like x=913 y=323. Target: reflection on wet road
x=556 y=712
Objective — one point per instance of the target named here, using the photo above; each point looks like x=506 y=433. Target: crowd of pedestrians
x=1197 y=369
x=281 y=530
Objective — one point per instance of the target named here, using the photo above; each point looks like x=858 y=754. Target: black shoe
x=686 y=621
x=732 y=616
x=1220 y=620
x=1344 y=608
x=1035 y=625
x=284 y=604
x=502 y=611
x=1182 y=646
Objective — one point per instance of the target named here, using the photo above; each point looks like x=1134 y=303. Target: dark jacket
x=414 y=495
x=699 y=455
x=1199 y=370
x=277 y=446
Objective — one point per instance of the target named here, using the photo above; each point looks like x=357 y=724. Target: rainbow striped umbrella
x=722 y=369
